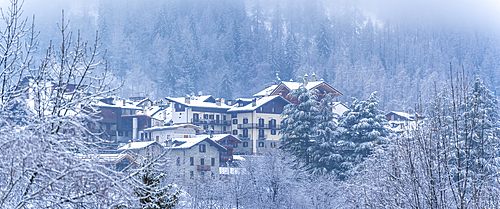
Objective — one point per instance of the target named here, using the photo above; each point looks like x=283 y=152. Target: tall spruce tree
x=299 y=123
x=360 y=129
x=324 y=157
x=226 y=87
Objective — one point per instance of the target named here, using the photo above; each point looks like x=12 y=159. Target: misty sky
x=464 y=12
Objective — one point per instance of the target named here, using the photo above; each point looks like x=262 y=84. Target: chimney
x=123 y=102
x=313 y=77
x=129 y=143
x=200 y=93
x=187 y=99
x=254 y=102
x=306 y=79
x=223 y=101
x=217 y=102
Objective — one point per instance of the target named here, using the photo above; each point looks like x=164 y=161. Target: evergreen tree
x=360 y=129
x=226 y=88
x=151 y=189
x=324 y=157
x=299 y=122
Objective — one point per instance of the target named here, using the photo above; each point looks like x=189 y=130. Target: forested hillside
x=176 y=47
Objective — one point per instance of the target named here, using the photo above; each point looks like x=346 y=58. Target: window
x=235 y=132
x=108 y=127
x=157 y=138
x=272 y=110
x=261 y=122
x=205 y=127
x=245 y=144
x=142 y=135
x=211 y=117
x=126 y=133
x=224 y=128
x=261 y=144
x=205 y=116
x=191 y=174
x=273 y=144
x=213 y=162
x=203 y=148
x=245 y=120
x=120 y=133
x=273 y=132
x=245 y=132
x=272 y=123
x=196 y=117
x=223 y=117
x=191 y=161
x=178 y=161
x=261 y=133
x=235 y=121
x=202 y=161
x=234 y=115
x=235 y=145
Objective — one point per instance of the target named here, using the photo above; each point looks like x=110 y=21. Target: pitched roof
x=138 y=145
x=291 y=85
x=218 y=137
x=161 y=128
x=259 y=103
x=190 y=142
x=200 y=101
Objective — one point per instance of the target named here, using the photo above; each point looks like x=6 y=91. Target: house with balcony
x=196 y=158
x=208 y=113
x=257 y=123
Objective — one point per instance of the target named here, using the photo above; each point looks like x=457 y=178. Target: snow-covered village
x=244 y=104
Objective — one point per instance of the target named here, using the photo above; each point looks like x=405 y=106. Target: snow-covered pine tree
x=226 y=87
x=324 y=157
x=152 y=190
x=360 y=129
x=299 y=123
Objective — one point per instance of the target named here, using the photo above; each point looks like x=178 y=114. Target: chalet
x=399 y=121
x=257 y=124
x=196 y=158
x=205 y=111
x=283 y=88
x=164 y=134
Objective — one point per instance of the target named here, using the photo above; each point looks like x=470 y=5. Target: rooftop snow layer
x=137 y=145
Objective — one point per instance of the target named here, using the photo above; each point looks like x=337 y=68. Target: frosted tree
x=46 y=160
x=226 y=87
x=323 y=153
x=151 y=186
x=299 y=123
x=360 y=128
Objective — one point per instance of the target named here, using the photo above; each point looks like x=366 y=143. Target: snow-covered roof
x=292 y=85
x=138 y=145
x=339 y=108
x=198 y=102
x=217 y=137
x=259 y=102
x=113 y=158
x=190 y=142
x=161 y=128
x=128 y=105
x=266 y=91
x=402 y=114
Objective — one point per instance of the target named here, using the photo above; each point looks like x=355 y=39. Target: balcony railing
x=213 y=132
x=256 y=125
x=211 y=122
x=203 y=167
